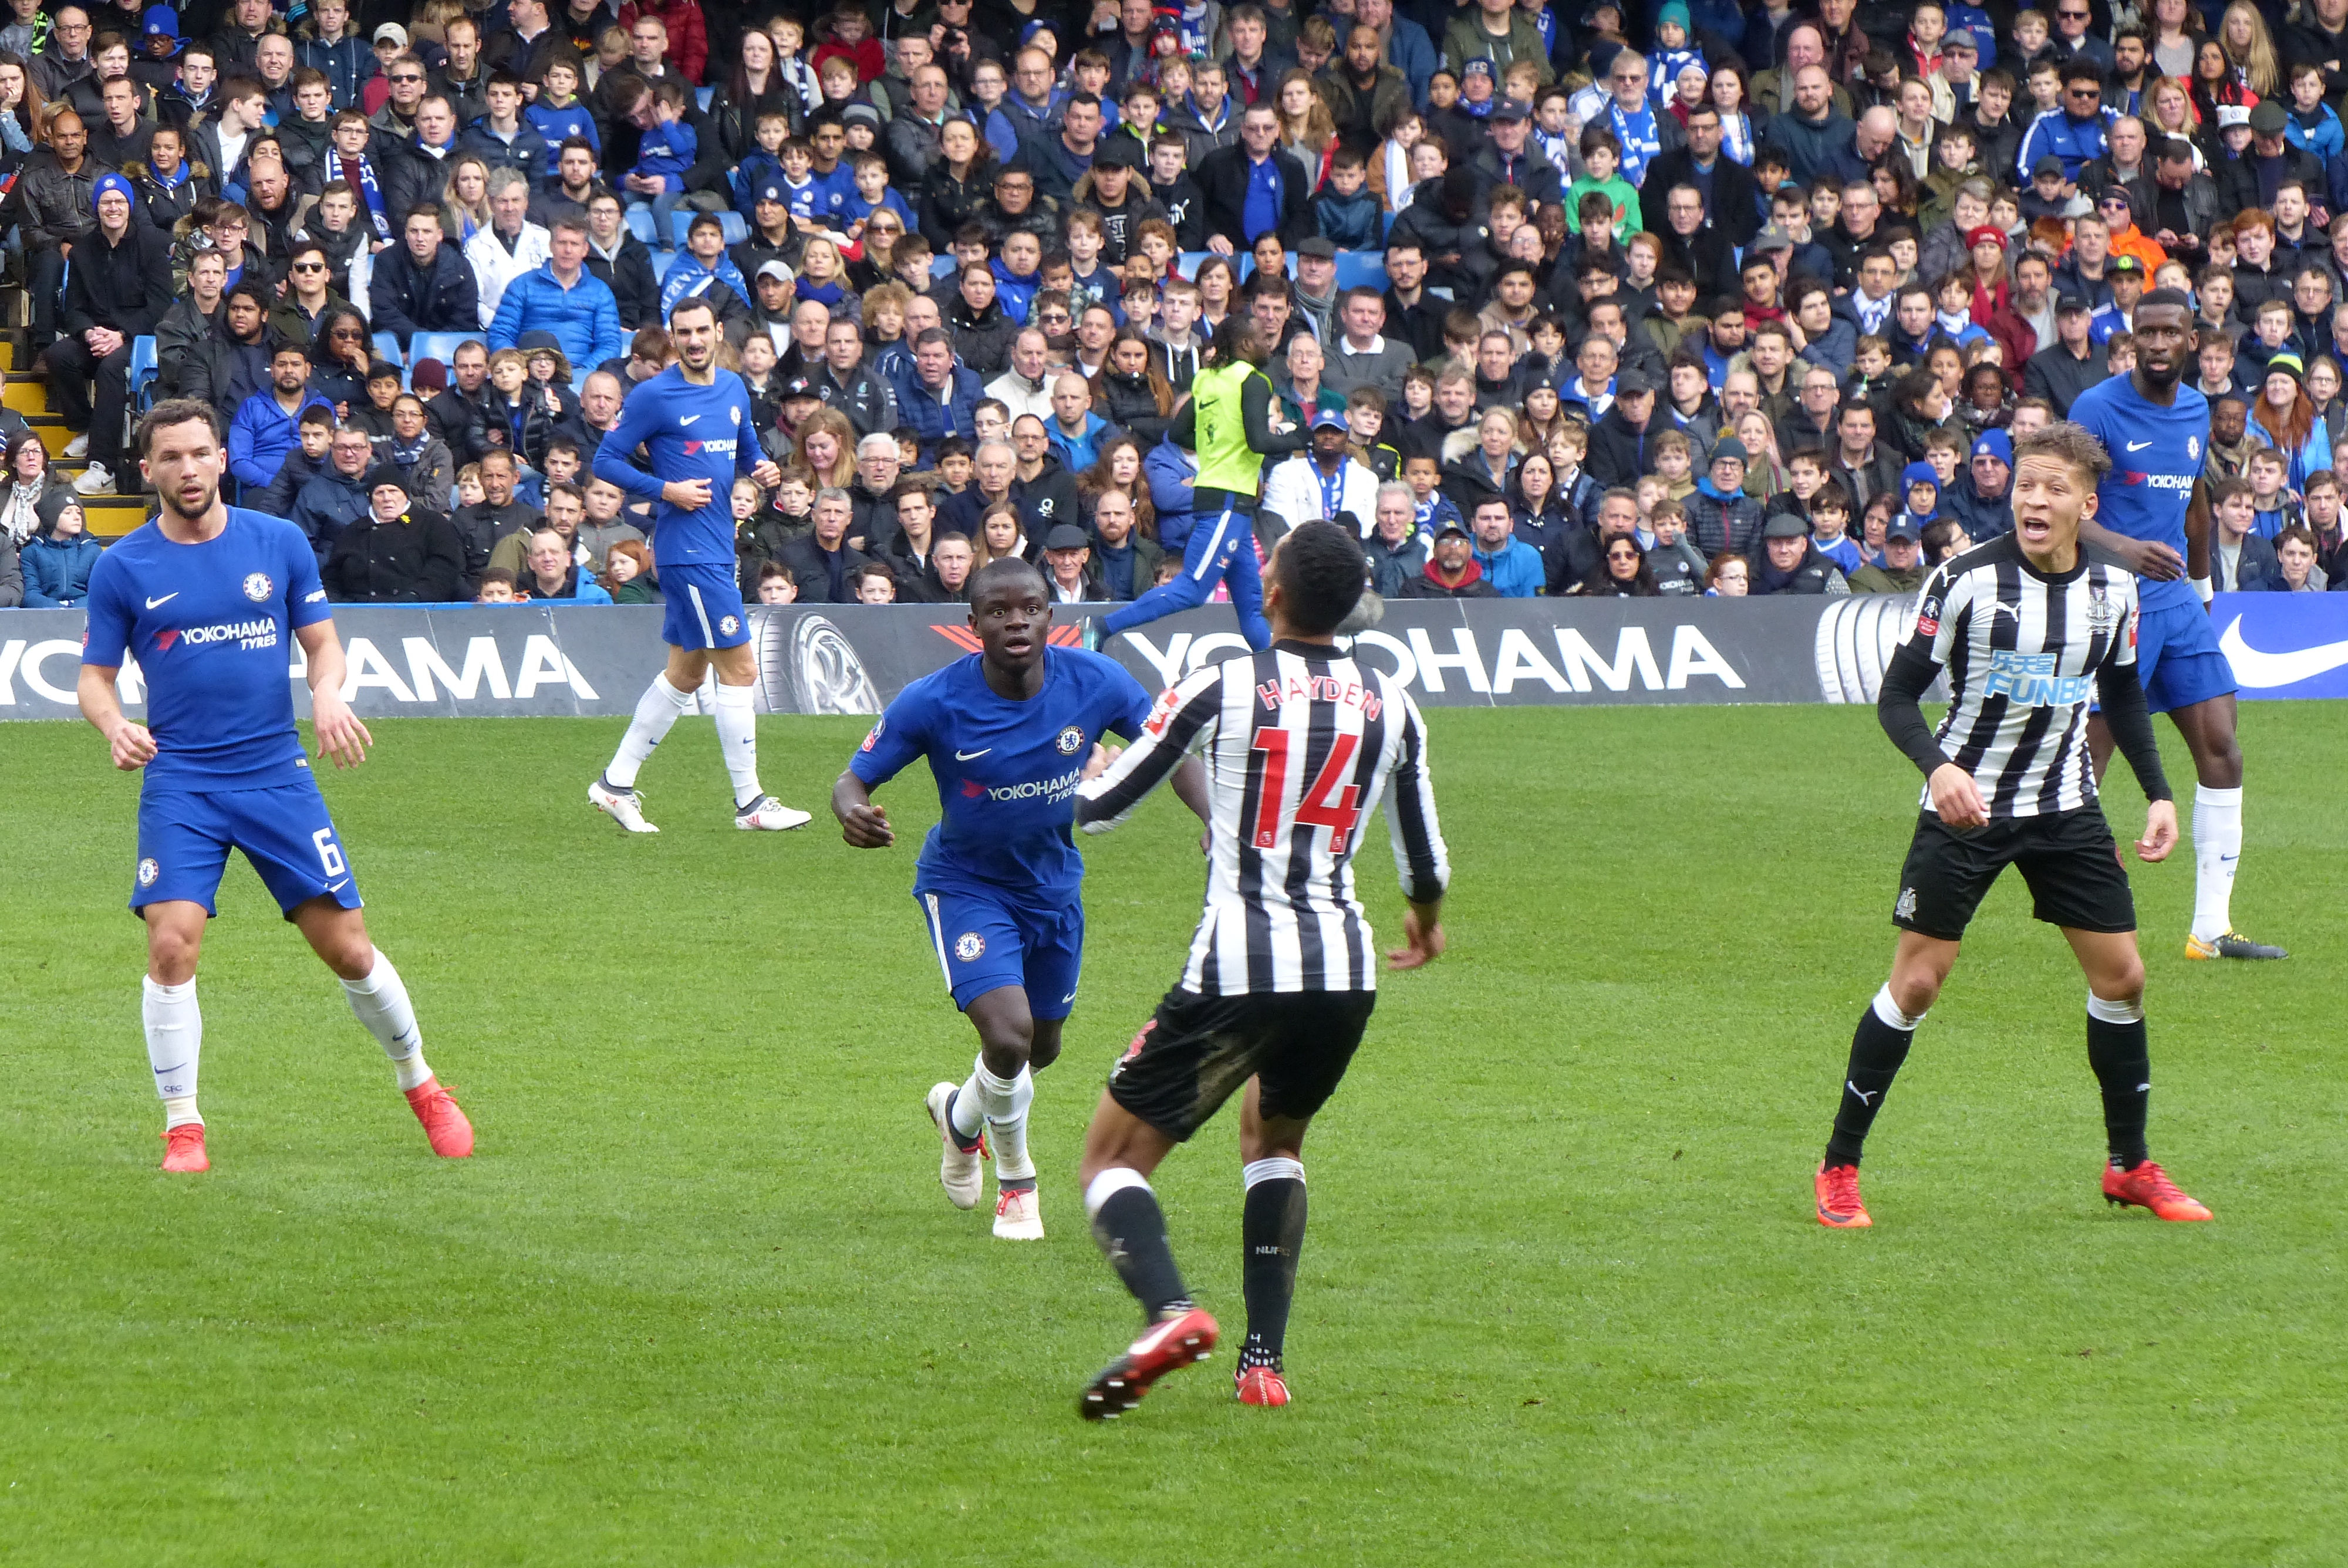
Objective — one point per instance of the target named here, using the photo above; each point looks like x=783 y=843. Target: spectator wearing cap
x=1901 y=567
x=1724 y=186
x=1505 y=159
x=398 y=553
x=1982 y=498
x=1325 y=483
x=422 y=285
x=563 y=298
x=2074 y=129
x=2251 y=179
x=1067 y=566
x=2072 y=362
x=1452 y=570
x=119 y=289
x=2126 y=280
x=1721 y=516
x=1789 y=563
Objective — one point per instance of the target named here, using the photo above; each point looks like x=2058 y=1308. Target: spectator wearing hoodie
x=1451 y=570
x=56 y=562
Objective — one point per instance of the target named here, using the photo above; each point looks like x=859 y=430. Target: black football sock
x=2117 y=1050
x=1130 y=1230
x=1271 y=1233
x=1877 y=1049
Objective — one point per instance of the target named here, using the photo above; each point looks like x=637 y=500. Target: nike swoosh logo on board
x=2255 y=668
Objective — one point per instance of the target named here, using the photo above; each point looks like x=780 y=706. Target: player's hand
x=1956 y=798
x=1423 y=942
x=2160 y=831
x=1100 y=761
x=340 y=734
x=2149 y=558
x=867 y=827
x=133 y=747
x=691 y=495
x=767 y=474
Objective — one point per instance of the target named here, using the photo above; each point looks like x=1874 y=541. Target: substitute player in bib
x=1009 y=732
x=1229 y=421
x=2150 y=518
x=693 y=422
x=2028 y=627
x=1301 y=742
x=206 y=597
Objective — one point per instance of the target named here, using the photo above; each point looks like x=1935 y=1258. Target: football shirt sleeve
x=107 y=624
x=899 y=735
x=1180 y=715
x=1128 y=702
x=305 y=594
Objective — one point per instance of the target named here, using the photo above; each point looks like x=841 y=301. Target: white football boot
x=960 y=1171
x=768 y=814
x=1018 y=1216
x=621 y=805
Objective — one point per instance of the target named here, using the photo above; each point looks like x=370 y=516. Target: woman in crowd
x=1764 y=467
x=1000 y=537
x=1541 y=415
x=828 y=447
x=982 y=328
x=2215 y=86
x=2285 y=417
x=959 y=182
x=1622 y=572
x=1118 y=467
x=1399 y=129
x=1537 y=508
x=1217 y=282
x=28 y=480
x=1730 y=93
x=754 y=88
x=422 y=457
x=1132 y=392
x=2250 y=50
x=465 y=198
x=823 y=279
x=20 y=111
x=2176 y=28
x=877 y=263
x=1306 y=126
x=1481 y=460
x=341 y=350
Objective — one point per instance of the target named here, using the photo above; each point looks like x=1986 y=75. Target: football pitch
x=698 y=1298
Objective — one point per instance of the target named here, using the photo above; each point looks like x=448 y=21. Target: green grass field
x=699 y=1300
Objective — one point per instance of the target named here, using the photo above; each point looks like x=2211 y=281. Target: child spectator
x=1432 y=510
x=1829 y=520
x=558 y=114
x=1346 y=211
x=496 y=587
x=56 y=562
x=876 y=584
x=1673 y=457
x=2271 y=508
x=2312 y=125
x=762 y=164
x=1920 y=488
x=628 y=573
x=871 y=172
x=1672 y=52
x=662 y=159
x=1601 y=155
x=776 y=584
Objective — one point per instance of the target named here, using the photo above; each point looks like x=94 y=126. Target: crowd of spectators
x=1697 y=297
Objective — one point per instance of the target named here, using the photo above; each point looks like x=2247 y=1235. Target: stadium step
x=106 y=517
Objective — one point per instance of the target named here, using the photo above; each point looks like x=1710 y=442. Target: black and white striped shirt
x=2022 y=651
x=1300 y=742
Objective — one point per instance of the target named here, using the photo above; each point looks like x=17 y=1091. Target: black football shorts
x=1199 y=1050
x=2068 y=858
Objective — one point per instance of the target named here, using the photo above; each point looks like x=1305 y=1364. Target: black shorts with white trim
x=2068 y=858
x=1198 y=1051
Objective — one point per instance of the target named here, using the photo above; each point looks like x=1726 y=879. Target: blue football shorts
x=2178 y=660
x=987 y=941
x=184 y=837
x=704 y=608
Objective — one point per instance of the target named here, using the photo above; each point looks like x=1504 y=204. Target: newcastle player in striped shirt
x=2028 y=627
x=1301 y=742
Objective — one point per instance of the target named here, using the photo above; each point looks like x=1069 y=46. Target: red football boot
x=2148 y=1187
x=1263 y=1386
x=1177 y=1342
x=183 y=1149
x=1839 y=1207
x=444 y=1123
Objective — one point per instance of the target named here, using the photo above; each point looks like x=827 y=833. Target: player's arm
x=2146 y=557
x=896 y=738
x=1189 y=780
x=102 y=704
x=1179 y=717
x=750 y=459
x=340 y=734
x=1255 y=413
x=1422 y=860
x=2119 y=691
x=1900 y=705
x=638 y=419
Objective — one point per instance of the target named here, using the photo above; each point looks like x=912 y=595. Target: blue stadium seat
x=941 y=267
x=1359 y=269
x=640 y=224
x=664 y=260
x=441 y=346
x=143 y=371
x=386 y=347
x=1188 y=263
x=704 y=96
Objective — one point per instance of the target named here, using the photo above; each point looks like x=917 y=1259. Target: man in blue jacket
x=337 y=497
x=2074 y=131
x=263 y=430
x=423 y=285
x=938 y=397
x=562 y=298
x=1513 y=567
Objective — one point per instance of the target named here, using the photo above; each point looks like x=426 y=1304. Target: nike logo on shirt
x=965 y=756
x=687 y=418
x=165 y=600
x=2137 y=446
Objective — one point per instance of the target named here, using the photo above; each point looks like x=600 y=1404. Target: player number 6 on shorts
x=330 y=854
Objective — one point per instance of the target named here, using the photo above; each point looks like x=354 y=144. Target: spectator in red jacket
x=852 y=40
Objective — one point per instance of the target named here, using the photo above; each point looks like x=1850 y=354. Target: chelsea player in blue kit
x=693 y=421
x=2156 y=431
x=1009 y=733
x=205 y=597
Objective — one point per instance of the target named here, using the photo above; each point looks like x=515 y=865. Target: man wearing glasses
x=2072 y=42
x=397 y=120
x=2076 y=131
x=65 y=59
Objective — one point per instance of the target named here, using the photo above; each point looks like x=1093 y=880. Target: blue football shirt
x=2156 y=454
x=690 y=432
x=208 y=625
x=1006 y=770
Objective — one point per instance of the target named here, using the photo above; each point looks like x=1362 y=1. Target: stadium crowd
x=1698 y=297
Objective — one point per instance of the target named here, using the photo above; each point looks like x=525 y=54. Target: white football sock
x=175 y=1040
x=738 y=737
x=2217 y=847
x=1010 y=1132
x=380 y=1002
x=984 y=1098
x=656 y=711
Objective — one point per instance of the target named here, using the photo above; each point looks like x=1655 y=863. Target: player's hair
x=1319 y=571
x=2073 y=445
x=1005 y=570
x=172 y=412
x=692 y=303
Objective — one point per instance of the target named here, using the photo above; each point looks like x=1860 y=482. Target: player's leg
x=1243 y=575
x=1024 y=1024
x=2208 y=729
x=657 y=711
x=2121 y=1058
x=1206 y=556
x=174 y=1024
x=737 y=738
x=981 y=951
